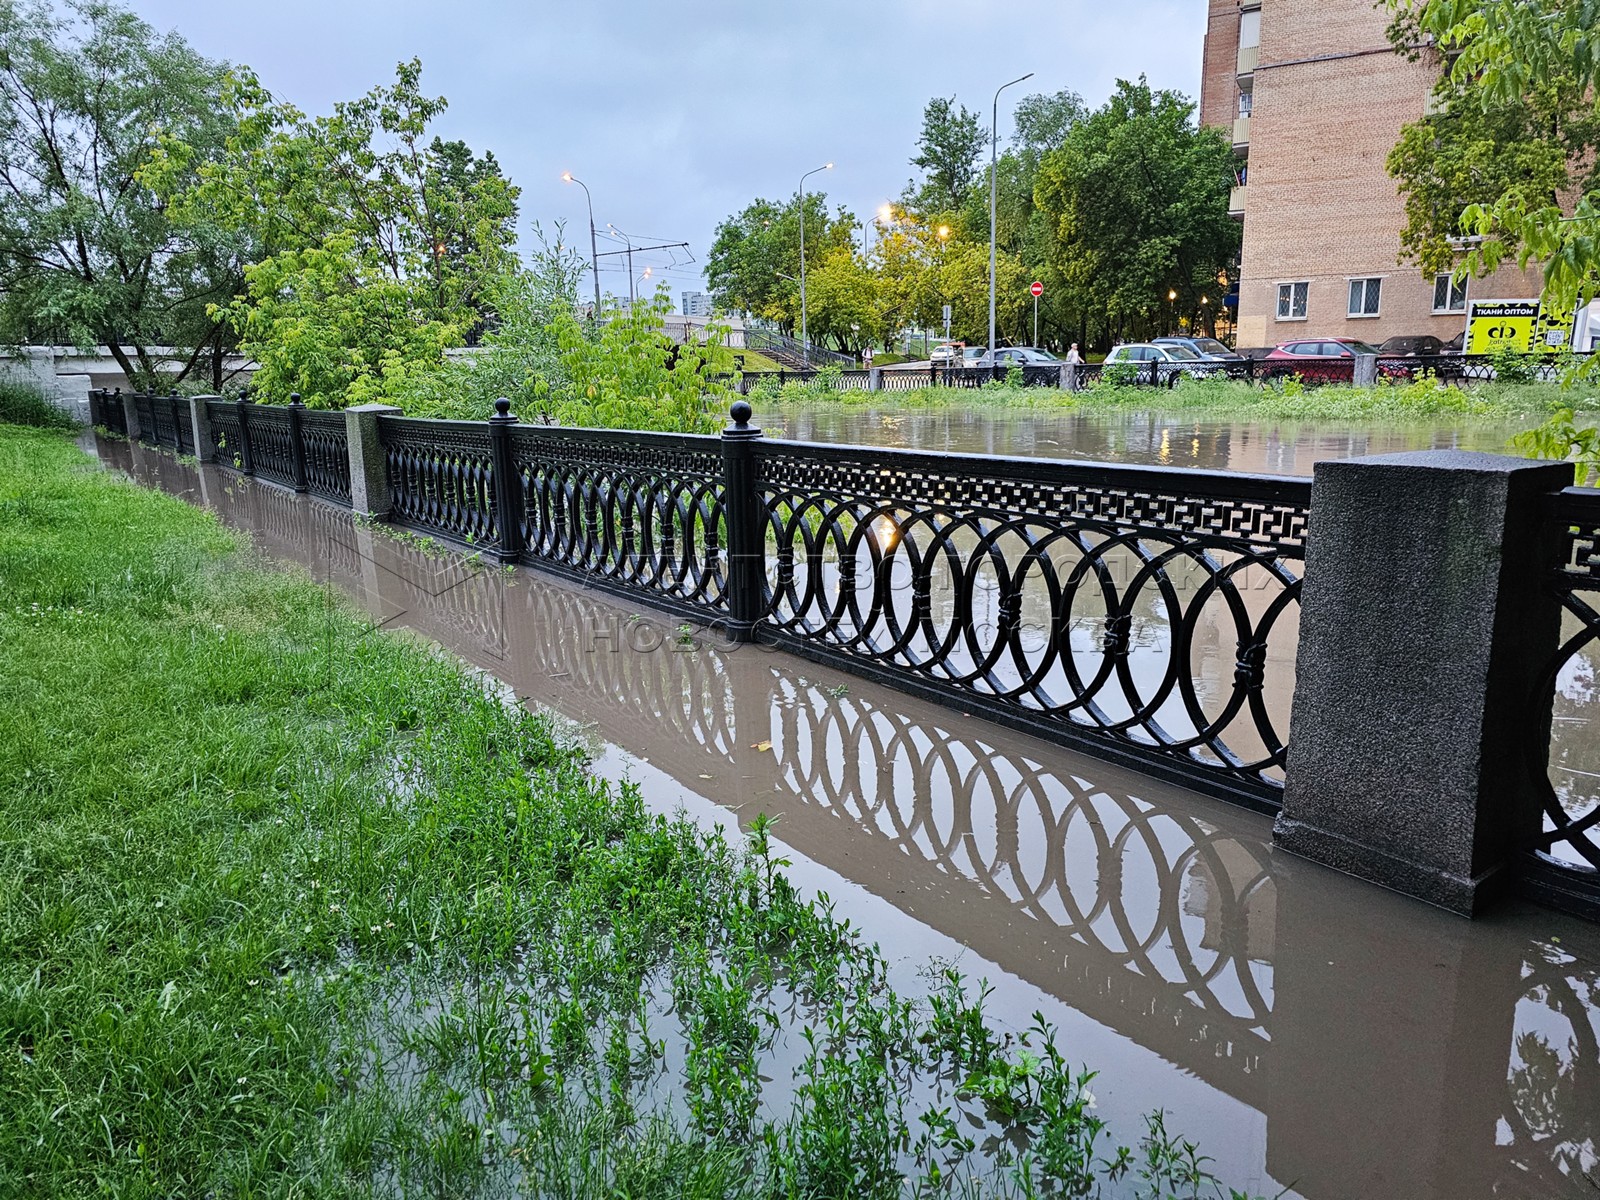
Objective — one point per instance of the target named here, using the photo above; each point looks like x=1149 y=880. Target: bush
x=26 y=404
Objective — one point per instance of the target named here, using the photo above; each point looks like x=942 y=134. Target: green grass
x=23 y=403
x=292 y=908
x=1229 y=399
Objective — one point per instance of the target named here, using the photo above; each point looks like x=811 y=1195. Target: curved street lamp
x=594 y=251
x=994 y=171
x=805 y=346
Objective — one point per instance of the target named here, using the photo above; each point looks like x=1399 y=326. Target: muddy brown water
x=1309 y=1031
x=1286 y=447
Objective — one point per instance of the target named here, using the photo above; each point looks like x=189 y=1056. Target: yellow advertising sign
x=1501 y=325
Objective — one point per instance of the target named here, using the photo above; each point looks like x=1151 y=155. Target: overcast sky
x=678 y=113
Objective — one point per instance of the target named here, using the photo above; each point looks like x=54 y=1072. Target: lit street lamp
x=994 y=174
x=805 y=346
x=594 y=251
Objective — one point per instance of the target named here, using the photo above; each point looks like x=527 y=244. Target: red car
x=1323 y=360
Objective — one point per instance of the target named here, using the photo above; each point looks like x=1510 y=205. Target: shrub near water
x=25 y=404
x=290 y=907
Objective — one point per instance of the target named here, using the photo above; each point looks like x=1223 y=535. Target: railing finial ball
x=295 y=401
x=741 y=412
x=502 y=407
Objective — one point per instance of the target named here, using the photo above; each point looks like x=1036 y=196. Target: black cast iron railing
x=441 y=477
x=327 y=454
x=1565 y=858
x=1072 y=600
x=1146 y=615
x=628 y=510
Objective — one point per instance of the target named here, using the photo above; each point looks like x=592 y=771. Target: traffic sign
x=1036 y=288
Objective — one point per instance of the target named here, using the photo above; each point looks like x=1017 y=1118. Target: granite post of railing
x=205 y=446
x=874 y=379
x=747 y=543
x=1424 y=620
x=130 y=416
x=1365 y=371
x=369 y=476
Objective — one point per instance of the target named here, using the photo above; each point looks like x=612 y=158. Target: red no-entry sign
x=1036 y=288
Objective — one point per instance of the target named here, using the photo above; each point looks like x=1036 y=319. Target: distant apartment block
x=1314 y=98
x=696 y=304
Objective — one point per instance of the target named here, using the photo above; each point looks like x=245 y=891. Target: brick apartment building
x=1315 y=98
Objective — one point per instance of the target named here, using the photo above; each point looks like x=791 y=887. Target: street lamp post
x=994 y=174
x=805 y=346
x=594 y=250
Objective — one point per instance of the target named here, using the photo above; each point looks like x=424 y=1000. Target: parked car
x=1183 y=360
x=944 y=352
x=1411 y=345
x=1023 y=356
x=1455 y=345
x=1208 y=348
x=1324 y=360
x=972 y=354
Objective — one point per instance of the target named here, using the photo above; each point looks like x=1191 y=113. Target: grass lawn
x=1230 y=399
x=293 y=908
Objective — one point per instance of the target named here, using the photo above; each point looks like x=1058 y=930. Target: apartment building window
x=1250 y=28
x=1364 y=297
x=1292 y=301
x=1449 y=294
x=1246 y=102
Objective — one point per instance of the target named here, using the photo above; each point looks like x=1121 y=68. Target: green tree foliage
x=1137 y=199
x=520 y=356
x=948 y=151
x=1542 y=54
x=89 y=251
x=627 y=374
x=379 y=248
x=753 y=252
x=1476 y=149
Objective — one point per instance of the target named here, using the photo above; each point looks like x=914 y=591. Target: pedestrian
x=1073 y=357
x=866 y=358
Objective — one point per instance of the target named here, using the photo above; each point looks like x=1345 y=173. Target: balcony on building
x=1236 y=201
x=1248 y=57
x=1241 y=132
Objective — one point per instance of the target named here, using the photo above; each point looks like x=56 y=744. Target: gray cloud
x=677 y=114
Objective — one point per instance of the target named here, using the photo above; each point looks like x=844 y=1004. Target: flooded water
x=1126 y=435
x=1311 y=1032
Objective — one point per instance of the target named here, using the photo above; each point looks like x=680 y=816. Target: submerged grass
x=291 y=907
x=1286 y=399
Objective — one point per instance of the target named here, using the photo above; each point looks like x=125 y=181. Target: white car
x=1182 y=359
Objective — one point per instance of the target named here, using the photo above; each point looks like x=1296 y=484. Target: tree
x=947 y=152
x=461 y=175
x=1515 y=52
x=1137 y=200
x=89 y=251
x=378 y=249
x=754 y=262
x=629 y=374
x=520 y=355
x=1468 y=152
